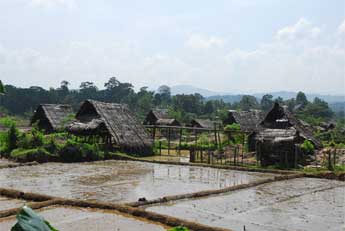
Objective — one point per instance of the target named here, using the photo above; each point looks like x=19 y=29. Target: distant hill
x=337 y=107
x=189 y=89
x=231 y=98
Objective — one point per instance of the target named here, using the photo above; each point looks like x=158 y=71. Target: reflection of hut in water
x=279 y=137
x=248 y=121
x=160 y=117
x=51 y=117
x=112 y=122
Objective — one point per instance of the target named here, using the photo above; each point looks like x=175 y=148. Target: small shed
x=113 y=122
x=279 y=136
x=51 y=117
x=160 y=117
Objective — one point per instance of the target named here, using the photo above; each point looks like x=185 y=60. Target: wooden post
x=169 y=134
x=243 y=145
x=329 y=160
x=154 y=133
x=160 y=147
x=180 y=142
x=215 y=135
x=196 y=137
x=334 y=157
x=296 y=155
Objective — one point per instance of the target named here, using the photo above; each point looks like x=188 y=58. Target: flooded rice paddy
x=9 y=203
x=71 y=219
x=120 y=181
x=298 y=204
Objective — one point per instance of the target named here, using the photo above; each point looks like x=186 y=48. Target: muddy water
x=72 y=219
x=120 y=181
x=8 y=203
x=4 y=162
x=299 y=204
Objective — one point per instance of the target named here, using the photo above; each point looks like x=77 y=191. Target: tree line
x=23 y=101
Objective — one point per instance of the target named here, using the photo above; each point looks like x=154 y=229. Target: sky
x=234 y=46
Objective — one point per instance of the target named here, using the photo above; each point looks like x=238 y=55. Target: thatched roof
x=51 y=117
x=248 y=120
x=202 y=123
x=277 y=135
x=280 y=118
x=160 y=117
x=95 y=126
x=122 y=126
x=161 y=113
x=168 y=122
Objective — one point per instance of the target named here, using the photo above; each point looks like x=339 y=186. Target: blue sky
x=226 y=45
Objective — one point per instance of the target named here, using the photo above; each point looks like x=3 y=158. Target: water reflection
x=120 y=181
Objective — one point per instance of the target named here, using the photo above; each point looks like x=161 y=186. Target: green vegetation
x=232 y=127
x=179 y=228
x=28 y=220
x=307 y=147
x=2 y=88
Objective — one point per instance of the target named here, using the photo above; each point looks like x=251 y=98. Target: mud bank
x=71 y=219
x=298 y=204
x=121 y=181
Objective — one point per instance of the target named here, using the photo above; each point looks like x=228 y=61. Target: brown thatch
x=280 y=118
x=115 y=121
x=160 y=117
x=51 y=117
x=168 y=122
x=248 y=120
x=202 y=123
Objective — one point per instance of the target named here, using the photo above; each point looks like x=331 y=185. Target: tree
x=319 y=108
x=2 y=88
x=301 y=99
x=248 y=102
x=266 y=102
x=163 y=95
x=117 y=91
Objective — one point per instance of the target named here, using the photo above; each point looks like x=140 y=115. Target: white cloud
x=282 y=64
x=204 y=42
x=303 y=29
x=341 y=28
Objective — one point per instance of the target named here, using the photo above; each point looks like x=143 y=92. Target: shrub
x=50 y=145
x=28 y=155
x=73 y=151
x=37 y=138
x=91 y=152
x=70 y=152
x=7 y=122
x=12 y=138
x=232 y=127
x=307 y=147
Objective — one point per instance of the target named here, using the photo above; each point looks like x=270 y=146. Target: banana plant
x=28 y=220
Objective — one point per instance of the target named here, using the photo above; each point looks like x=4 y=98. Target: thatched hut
x=160 y=117
x=279 y=136
x=114 y=123
x=51 y=117
x=202 y=123
x=248 y=120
